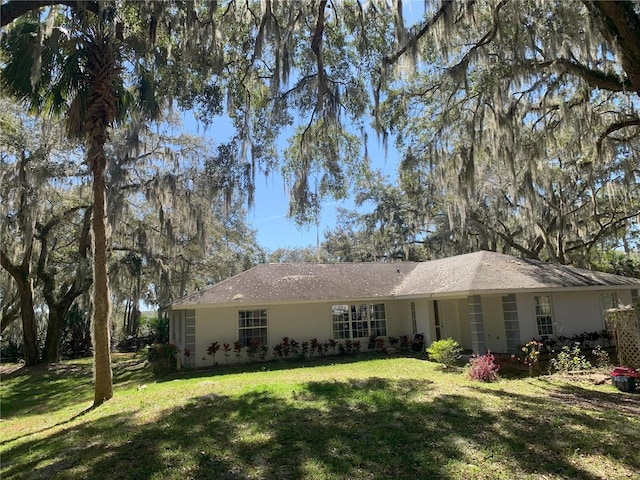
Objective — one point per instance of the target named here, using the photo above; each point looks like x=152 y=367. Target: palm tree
x=79 y=77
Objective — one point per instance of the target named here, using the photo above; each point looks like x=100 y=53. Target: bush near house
x=445 y=351
x=162 y=357
x=569 y=359
x=484 y=368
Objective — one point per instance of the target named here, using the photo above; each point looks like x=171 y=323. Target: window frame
x=615 y=301
x=358 y=320
x=544 y=318
x=259 y=319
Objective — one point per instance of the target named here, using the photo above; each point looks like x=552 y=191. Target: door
x=448 y=319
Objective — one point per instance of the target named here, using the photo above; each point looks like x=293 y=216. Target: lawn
x=377 y=418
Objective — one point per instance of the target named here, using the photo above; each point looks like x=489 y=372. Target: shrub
x=483 y=368
x=569 y=359
x=445 y=351
x=212 y=350
x=237 y=347
x=287 y=347
x=162 y=357
x=418 y=342
x=532 y=353
x=253 y=350
x=602 y=357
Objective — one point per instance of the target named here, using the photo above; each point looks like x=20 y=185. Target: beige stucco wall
x=573 y=312
x=300 y=322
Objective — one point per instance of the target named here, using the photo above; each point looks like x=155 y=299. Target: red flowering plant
x=253 y=349
x=483 y=368
x=212 y=350
x=226 y=348
x=187 y=353
x=314 y=346
x=237 y=347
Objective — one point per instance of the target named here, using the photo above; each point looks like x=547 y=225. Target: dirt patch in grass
x=10 y=369
x=574 y=393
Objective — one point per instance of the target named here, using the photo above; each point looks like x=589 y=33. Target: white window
x=253 y=327
x=378 y=320
x=358 y=321
x=544 y=315
x=607 y=302
x=340 y=322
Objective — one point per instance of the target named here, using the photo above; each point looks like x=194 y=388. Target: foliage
x=162 y=357
x=76 y=340
x=569 y=359
x=237 y=347
x=446 y=351
x=226 y=349
x=532 y=353
x=483 y=367
x=349 y=347
x=212 y=350
x=156 y=327
x=602 y=359
x=285 y=348
x=253 y=350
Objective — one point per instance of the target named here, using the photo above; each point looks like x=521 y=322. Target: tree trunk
x=101 y=302
x=57 y=316
x=621 y=27
x=59 y=306
x=25 y=292
x=29 y=331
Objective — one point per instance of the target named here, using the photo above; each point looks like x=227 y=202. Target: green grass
x=379 y=418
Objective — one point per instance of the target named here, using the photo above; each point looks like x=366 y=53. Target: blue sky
x=268 y=216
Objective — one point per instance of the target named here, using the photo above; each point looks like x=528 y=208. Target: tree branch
x=316 y=46
x=594 y=78
x=14 y=9
x=614 y=127
x=444 y=9
x=488 y=37
x=620 y=25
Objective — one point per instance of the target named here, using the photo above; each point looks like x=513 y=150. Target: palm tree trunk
x=101 y=302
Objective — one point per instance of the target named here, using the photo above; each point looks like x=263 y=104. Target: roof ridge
x=214 y=285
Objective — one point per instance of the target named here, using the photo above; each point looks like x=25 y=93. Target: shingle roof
x=480 y=272
x=278 y=282
x=490 y=271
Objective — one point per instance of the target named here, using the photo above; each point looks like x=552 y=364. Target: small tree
x=445 y=351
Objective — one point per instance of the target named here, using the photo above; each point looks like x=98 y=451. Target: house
x=484 y=300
